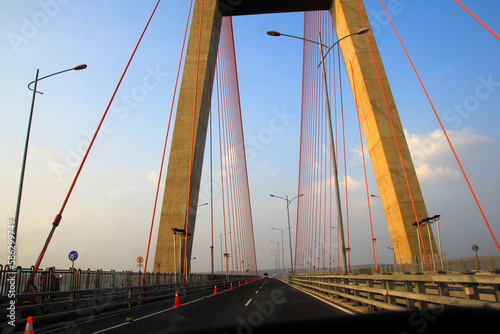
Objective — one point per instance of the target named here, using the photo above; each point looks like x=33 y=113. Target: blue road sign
x=73 y=255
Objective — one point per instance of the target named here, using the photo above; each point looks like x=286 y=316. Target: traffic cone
x=29 y=326
x=215 y=290
x=231 y=288
x=239 y=283
x=177 y=303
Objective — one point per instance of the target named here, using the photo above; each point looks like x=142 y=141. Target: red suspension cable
x=165 y=144
x=478 y=20
x=364 y=169
x=444 y=131
x=192 y=140
x=58 y=217
x=395 y=137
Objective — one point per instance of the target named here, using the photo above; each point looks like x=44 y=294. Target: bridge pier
x=178 y=182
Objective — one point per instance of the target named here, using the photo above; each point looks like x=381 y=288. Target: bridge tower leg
x=175 y=203
x=374 y=100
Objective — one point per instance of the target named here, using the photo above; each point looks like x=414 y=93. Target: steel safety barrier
x=396 y=292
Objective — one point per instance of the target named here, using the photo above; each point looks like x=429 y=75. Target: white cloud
x=432 y=155
x=352 y=184
x=115 y=192
x=427 y=173
x=41 y=153
x=153 y=177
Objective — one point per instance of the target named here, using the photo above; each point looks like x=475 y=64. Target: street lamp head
x=273 y=33
x=272 y=195
x=80 y=67
x=362 y=31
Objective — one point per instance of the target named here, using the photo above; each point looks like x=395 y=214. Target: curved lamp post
x=334 y=162
x=21 y=181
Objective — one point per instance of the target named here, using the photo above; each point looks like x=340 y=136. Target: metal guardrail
x=419 y=265
x=448 y=265
x=365 y=293
x=77 y=279
x=74 y=305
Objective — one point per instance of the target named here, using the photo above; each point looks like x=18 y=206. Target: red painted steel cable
x=192 y=142
x=299 y=187
x=218 y=70
x=234 y=176
x=58 y=217
x=249 y=208
x=211 y=196
x=166 y=139
x=444 y=131
x=364 y=168
x=395 y=138
x=478 y=20
x=225 y=157
x=345 y=171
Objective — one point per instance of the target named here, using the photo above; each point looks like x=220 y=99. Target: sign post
x=140 y=259
x=72 y=256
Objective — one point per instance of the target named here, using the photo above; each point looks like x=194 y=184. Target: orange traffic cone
x=177 y=303
x=231 y=288
x=239 y=283
x=215 y=290
x=29 y=326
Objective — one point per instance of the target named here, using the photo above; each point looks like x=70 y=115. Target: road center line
x=248 y=302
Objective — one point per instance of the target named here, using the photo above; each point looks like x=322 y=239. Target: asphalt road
x=270 y=306
x=251 y=308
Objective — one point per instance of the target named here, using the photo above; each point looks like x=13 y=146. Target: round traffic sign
x=158 y=265
x=140 y=259
x=73 y=255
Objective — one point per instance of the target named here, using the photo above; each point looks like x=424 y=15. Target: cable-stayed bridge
x=338 y=44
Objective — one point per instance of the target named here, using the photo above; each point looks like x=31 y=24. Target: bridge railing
x=404 y=291
x=72 y=306
x=485 y=263
x=77 y=279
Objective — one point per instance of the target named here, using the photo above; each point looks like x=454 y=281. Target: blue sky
x=108 y=215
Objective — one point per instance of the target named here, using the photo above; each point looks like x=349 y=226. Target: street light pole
x=334 y=162
x=282 y=243
x=278 y=250
x=436 y=219
x=332 y=146
x=289 y=231
x=25 y=154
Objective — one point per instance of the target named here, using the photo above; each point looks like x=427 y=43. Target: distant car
x=266 y=275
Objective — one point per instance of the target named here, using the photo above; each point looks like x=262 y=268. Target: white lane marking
x=146 y=316
x=248 y=302
x=256 y=292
